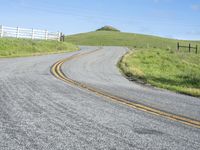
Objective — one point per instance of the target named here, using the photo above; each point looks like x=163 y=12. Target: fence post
x=196 y=48
x=1 y=29
x=59 y=36
x=63 y=37
x=32 y=37
x=17 y=34
x=189 y=48
x=46 y=35
x=178 y=46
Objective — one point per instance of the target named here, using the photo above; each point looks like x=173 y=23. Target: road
x=38 y=111
x=99 y=70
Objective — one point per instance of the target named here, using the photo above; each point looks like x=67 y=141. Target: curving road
x=99 y=70
x=38 y=111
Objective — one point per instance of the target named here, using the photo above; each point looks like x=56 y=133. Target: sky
x=178 y=19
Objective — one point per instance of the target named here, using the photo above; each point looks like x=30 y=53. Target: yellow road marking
x=57 y=72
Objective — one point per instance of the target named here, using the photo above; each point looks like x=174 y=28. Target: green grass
x=176 y=71
x=154 y=60
x=11 y=47
x=109 y=38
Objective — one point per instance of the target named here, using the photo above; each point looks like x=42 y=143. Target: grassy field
x=176 y=71
x=109 y=38
x=11 y=47
x=154 y=59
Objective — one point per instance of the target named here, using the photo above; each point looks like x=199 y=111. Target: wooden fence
x=28 y=33
x=189 y=47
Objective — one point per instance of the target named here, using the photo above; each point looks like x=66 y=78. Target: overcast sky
x=169 y=18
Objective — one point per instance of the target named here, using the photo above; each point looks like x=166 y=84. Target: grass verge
x=11 y=47
x=172 y=70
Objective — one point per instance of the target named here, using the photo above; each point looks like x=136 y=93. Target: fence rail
x=189 y=47
x=28 y=33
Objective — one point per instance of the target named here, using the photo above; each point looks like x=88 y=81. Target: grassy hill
x=108 y=28
x=11 y=47
x=154 y=60
x=109 y=38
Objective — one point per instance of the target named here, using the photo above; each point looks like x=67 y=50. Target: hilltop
x=108 y=28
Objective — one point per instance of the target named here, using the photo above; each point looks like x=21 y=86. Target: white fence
x=28 y=33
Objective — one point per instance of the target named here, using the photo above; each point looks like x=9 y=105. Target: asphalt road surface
x=99 y=70
x=38 y=111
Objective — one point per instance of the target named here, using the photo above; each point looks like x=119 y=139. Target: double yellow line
x=57 y=72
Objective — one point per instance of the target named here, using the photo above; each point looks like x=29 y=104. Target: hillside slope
x=109 y=38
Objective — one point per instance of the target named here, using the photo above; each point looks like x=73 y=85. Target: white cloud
x=195 y=7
